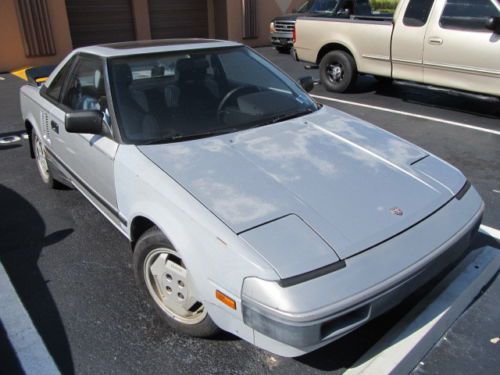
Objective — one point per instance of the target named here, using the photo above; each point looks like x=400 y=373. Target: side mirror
x=307 y=83
x=493 y=24
x=85 y=122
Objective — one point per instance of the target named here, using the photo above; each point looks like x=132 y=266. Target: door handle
x=437 y=41
x=54 y=126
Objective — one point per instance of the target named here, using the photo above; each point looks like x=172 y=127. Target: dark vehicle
x=281 y=27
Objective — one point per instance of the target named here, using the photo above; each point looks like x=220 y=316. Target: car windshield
x=178 y=96
x=318 y=6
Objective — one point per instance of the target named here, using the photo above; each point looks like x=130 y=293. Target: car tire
x=168 y=286
x=338 y=71
x=283 y=50
x=41 y=162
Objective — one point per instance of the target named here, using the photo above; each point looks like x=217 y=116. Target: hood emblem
x=396 y=211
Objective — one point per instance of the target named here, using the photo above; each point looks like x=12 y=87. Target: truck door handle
x=435 y=41
x=54 y=126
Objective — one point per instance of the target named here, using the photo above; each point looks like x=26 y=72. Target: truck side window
x=417 y=12
x=467 y=14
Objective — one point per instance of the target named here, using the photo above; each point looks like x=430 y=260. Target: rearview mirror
x=493 y=24
x=307 y=83
x=85 y=122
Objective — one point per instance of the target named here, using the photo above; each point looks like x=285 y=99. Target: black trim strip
x=463 y=190
x=419 y=159
x=264 y=223
x=113 y=210
x=294 y=280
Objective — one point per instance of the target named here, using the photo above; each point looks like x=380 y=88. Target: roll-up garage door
x=100 y=21
x=178 y=18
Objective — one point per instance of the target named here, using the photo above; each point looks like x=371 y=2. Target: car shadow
x=22 y=238
x=443 y=99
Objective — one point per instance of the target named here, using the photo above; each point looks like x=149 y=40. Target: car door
x=460 y=52
x=408 y=40
x=88 y=159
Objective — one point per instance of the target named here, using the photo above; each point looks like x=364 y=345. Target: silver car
x=250 y=207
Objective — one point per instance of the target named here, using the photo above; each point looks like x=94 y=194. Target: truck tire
x=169 y=287
x=283 y=49
x=338 y=71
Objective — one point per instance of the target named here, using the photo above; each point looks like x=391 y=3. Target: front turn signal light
x=229 y=302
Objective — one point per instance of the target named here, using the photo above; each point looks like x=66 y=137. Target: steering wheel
x=236 y=92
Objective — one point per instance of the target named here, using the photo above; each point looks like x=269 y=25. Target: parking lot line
x=409 y=114
x=495 y=233
x=29 y=347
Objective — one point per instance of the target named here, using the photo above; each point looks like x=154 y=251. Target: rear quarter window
x=468 y=14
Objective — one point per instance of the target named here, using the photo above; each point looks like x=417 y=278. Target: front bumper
x=298 y=319
x=282 y=39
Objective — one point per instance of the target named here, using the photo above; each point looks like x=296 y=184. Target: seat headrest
x=192 y=68
x=122 y=75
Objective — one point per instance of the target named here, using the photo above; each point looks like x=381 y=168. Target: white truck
x=448 y=43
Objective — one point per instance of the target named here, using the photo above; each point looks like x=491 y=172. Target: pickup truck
x=281 y=28
x=446 y=43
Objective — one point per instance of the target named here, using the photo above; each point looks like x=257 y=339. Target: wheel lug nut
x=169 y=277
x=180 y=295
x=169 y=289
x=181 y=284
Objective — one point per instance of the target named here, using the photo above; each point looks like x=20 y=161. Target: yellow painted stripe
x=21 y=73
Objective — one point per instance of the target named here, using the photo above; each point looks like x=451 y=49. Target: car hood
x=352 y=183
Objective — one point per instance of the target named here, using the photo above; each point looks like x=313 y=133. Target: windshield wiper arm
x=187 y=137
x=289 y=116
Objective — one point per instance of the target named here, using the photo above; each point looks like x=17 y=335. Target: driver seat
x=194 y=91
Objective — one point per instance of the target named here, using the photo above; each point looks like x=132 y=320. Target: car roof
x=153 y=46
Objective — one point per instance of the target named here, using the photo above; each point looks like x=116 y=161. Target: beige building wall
x=12 y=55
x=266 y=11
x=225 y=22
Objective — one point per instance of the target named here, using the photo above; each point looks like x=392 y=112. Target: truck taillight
x=294 y=34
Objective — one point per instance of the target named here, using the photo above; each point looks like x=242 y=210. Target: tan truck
x=447 y=43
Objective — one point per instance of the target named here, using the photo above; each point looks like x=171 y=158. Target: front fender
x=212 y=253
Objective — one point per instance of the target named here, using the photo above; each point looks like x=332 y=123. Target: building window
x=249 y=8
x=35 y=27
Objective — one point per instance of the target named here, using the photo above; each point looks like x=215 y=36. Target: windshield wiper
x=289 y=116
x=188 y=137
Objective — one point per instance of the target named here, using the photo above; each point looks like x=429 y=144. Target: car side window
x=467 y=14
x=417 y=12
x=86 y=87
x=56 y=86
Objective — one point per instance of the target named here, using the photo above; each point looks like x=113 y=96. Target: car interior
x=159 y=99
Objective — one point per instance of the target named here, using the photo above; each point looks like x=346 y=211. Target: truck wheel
x=283 y=49
x=338 y=71
x=41 y=162
x=162 y=275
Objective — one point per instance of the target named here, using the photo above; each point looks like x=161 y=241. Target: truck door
x=408 y=40
x=459 y=51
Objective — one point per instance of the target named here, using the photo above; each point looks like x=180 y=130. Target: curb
x=29 y=347
x=403 y=347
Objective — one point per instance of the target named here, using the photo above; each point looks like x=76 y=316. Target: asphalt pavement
x=72 y=269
